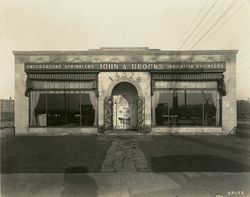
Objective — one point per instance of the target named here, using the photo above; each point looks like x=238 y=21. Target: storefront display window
x=62 y=109
x=188 y=108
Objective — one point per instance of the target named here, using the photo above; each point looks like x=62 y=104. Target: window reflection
x=56 y=110
x=195 y=108
x=39 y=117
x=87 y=111
x=62 y=109
x=210 y=110
x=73 y=110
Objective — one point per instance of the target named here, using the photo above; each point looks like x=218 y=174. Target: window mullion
x=80 y=109
x=46 y=108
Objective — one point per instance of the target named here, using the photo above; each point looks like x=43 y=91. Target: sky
x=90 y=24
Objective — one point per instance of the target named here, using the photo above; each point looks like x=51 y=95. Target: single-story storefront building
x=139 y=89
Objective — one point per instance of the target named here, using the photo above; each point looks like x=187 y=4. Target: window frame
x=46 y=92
x=203 y=92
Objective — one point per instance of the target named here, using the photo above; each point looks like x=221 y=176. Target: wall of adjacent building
x=6 y=113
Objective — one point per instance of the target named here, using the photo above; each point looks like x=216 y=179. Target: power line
x=197 y=16
x=209 y=20
x=202 y=19
x=223 y=25
x=216 y=22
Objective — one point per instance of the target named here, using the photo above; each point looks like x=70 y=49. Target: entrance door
x=124 y=106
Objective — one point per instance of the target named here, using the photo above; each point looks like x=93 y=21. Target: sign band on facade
x=166 y=66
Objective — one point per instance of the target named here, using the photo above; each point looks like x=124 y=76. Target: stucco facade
x=108 y=78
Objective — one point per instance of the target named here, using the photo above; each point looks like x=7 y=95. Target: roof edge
x=125 y=50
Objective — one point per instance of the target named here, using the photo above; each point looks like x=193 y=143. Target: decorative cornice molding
x=39 y=60
x=94 y=59
x=125 y=52
x=75 y=59
x=153 y=59
x=229 y=58
x=58 y=58
x=135 y=59
x=210 y=59
x=21 y=59
x=114 y=59
x=190 y=59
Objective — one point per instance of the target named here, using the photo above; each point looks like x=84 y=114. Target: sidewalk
x=126 y=184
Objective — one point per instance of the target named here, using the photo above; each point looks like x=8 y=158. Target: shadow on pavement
x=196 y=163
x=51 y=154
x=77 y=183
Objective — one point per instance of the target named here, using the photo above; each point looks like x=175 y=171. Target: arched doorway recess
x=124 y=106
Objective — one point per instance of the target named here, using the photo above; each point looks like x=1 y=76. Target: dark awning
x=187 y=76
x=63 y=76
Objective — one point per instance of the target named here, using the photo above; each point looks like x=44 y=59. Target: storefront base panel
x=59 y=131
x=187 y=130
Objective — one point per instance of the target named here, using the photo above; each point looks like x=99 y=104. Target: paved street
x=134 y=166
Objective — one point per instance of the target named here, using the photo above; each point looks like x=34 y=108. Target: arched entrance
x=124 y=106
